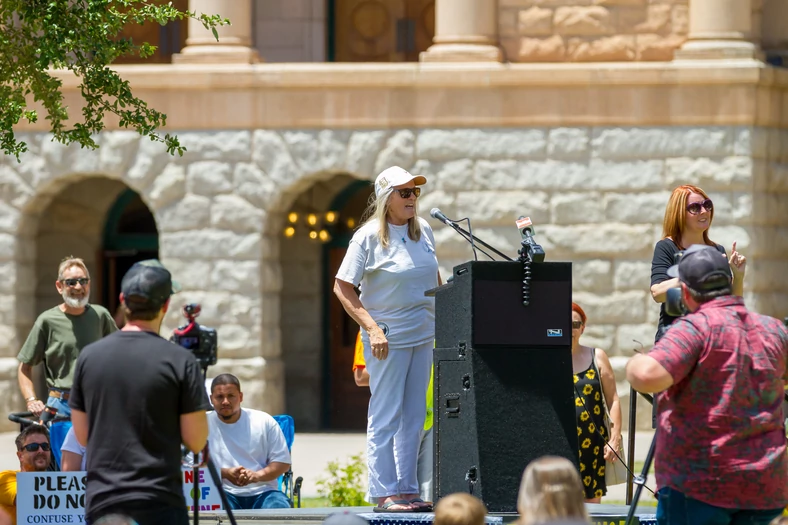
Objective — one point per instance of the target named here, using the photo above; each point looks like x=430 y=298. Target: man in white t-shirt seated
x=73 y=457
x=249 y=448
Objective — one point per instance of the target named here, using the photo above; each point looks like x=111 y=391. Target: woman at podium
x=391 y=257
x=595 y=397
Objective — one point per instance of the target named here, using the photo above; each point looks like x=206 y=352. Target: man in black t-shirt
x=136 y=397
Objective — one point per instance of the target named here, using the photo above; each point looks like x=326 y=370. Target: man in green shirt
x=58 y=336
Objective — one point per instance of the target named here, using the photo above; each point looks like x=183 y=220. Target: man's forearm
x=271 y=472
x=24 y=376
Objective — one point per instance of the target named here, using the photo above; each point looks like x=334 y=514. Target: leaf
x=215 y=33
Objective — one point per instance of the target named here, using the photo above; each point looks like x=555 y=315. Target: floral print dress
x=590 y=418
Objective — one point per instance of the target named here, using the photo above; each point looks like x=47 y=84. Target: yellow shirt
x=8 y=493
x=358 y=362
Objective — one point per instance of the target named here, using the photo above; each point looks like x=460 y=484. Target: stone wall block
x=658 y=20
x=777 y=178
x=151 y=159
x=552 y=49
x=437 y=199
x=536 y=21
x=191 y=273
x=452 y=176
x=9 y=218
x=604 y=241
x=235 y=276
x=13 y=188
x=729 y=174
x=493 y=208
x=632 y=275
x=399 y=151
x=618 y=48
x=363 y=149
x=168 y=187
x=613 y=308
x=598 y=335
x=117 y=151
x=226 y=146
x=455 y=144
x=583 y=21
x=752 y=141
x=625 y=176
x=8 y=277
x=192 y=212
x=569 y=143
x=645 y=143
x=626 y=3
x=636 y=207
x=270 y=152
x=592 y=276
x=629 y=338
x=653 y=47
x=209 y=178
x=679 y=19
x=496 y=175
x=451 y=245
x=552 y=175
x=577 y=208
x=250 y=183
x=210 y=244
x=316 y=151
x=766 y=275
x=231 y=212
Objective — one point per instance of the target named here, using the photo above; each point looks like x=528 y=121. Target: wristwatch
x=31 y=398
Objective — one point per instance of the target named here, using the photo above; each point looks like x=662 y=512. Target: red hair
x=580 y=312
x=675 y=215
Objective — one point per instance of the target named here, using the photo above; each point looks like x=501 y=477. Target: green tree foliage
x=344 y=486
x=39 y=36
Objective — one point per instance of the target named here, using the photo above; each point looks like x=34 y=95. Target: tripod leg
x=217 y=480
x=640 y=481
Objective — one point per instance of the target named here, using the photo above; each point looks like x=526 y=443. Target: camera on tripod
x=199 y=340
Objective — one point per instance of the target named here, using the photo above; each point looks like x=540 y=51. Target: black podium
x=504 y=392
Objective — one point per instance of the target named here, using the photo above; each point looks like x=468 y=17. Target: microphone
x=437 y=214
x=530 y=248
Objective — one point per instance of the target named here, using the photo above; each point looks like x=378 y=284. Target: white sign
x=59 y=497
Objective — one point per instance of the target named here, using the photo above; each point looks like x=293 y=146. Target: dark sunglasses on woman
x=405 y=192
x=33 y=447
x=695 y=207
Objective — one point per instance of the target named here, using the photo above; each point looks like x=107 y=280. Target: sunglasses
x=695 y=207
x=406 y=192
x=73 y=282
x=33 y=447
x=576 y=325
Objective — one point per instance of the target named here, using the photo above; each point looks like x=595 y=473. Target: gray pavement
x=312 y=452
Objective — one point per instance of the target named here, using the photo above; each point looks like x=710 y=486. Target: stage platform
x=600 y=515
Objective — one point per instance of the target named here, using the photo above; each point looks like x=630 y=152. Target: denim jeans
x=270 y=499
x=674 y=508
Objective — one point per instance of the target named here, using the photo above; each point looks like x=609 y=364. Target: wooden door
x=168 y=39
x=347 y=402
x=382 y=30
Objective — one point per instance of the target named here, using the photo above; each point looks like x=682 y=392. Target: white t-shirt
x=252 y=442
x=393 y=281
x=70 y=444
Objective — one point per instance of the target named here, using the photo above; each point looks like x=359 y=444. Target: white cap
x=395 y=176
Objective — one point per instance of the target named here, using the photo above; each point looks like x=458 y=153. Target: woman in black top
x=687 y=220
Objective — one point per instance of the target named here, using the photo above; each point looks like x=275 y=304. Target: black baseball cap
x=148 y=282
x=703 y=269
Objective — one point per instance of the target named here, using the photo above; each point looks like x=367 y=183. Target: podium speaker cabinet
x=504 y=394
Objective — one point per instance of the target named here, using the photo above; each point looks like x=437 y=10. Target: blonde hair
x=459 y=509
x=675 y=215
x=378 y=210
x=70 y=261
x=779 y=520
x=551 y=489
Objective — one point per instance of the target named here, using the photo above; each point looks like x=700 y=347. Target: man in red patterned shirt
x=720 y=372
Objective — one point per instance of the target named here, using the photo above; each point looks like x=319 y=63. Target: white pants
x=425 y=465
x=397 y=409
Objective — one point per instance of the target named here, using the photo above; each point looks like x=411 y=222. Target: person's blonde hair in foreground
x=460 y=509
x=550 y=490
x=779 y=520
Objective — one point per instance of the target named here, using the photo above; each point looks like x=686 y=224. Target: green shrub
x=344 y=486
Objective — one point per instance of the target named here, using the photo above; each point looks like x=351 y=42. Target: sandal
x=386 y=507
x=420 y=505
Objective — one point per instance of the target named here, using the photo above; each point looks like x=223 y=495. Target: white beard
x=73 y=302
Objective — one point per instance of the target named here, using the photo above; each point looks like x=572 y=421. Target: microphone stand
x=471 y=238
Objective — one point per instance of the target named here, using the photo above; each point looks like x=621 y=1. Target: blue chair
x=285 y=481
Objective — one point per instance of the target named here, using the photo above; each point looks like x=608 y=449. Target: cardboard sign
x=59 y=497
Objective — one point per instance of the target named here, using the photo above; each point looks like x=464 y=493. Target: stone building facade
x=589 y=150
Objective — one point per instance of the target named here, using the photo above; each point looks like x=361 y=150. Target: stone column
x=465 y=31
x=719 y=29
x=234 y=44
